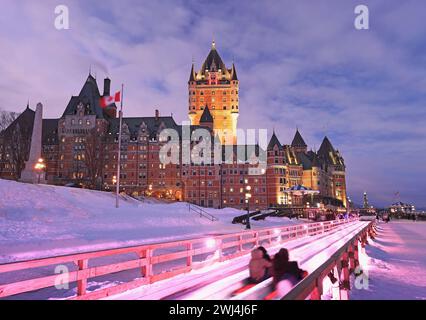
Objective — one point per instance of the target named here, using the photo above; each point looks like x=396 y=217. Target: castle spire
x=192 y=75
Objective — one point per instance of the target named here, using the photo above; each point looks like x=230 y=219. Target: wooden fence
x=184 y=256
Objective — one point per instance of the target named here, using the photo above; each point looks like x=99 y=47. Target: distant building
x=402 y=208
x=365 y=200
x=81 y=147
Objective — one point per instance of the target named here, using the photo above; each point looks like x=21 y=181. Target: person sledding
x=286 y=274
x=259 y=268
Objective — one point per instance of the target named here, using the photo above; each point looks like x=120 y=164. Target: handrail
x=201 y=212
x=150 y=255
x=312 y=284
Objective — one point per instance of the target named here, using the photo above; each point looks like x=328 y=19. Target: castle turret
x=298 y=143
x=216 y=86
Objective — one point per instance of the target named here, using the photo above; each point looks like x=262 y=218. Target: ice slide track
x=180 y=255
x=230 y=273
x=223 y=282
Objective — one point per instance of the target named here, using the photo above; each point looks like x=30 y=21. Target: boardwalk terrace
x=81 y=147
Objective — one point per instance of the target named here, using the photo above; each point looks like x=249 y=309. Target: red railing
x=148 y=259
x=344 y=261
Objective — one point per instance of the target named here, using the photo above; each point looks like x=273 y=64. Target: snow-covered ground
x=396 y=263
x=39 y=220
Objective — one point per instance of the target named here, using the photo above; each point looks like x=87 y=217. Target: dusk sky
x=300 y=64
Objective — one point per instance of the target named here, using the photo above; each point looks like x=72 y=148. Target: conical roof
x=213 y=61
x=298 y=140
x=89 y=96
x=326 y=147
x=206 y=117
x=234 y=73
x=274 y=141
x=192 y=75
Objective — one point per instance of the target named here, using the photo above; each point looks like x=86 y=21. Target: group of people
x=285 y=273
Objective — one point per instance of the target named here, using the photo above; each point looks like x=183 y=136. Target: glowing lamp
x=210 y=243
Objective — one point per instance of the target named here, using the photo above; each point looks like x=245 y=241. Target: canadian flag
x=106 y=101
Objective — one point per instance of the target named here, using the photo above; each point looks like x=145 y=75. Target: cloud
x=300 y=63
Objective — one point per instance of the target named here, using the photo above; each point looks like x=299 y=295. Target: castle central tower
x=216 y=87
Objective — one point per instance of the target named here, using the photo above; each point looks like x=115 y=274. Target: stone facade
x=216 y=87
x=81 y=147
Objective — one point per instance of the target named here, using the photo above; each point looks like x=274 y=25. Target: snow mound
x=42 y=220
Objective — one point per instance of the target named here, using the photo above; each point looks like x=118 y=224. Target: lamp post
x=39 y=167
x=248 y=196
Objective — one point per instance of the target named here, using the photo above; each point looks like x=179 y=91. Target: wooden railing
x=147 y=259
x=344 y=261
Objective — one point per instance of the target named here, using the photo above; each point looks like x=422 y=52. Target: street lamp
x=39 y=167
x=248 y=196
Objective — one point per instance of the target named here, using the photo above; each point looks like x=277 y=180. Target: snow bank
x=395 y=263
x=41 y=220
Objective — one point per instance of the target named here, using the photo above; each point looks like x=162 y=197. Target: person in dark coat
x=286 y=273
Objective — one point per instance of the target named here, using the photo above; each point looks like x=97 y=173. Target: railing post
x=345 y=283
x=219 y=249
x=189 y=252
x=240 y=243
x=335 y=290
x=256 y=235
x=82 y=283
x=351 y=256
x=269 y=237
x=317 y=292
x=147 y=269
x=356 y=254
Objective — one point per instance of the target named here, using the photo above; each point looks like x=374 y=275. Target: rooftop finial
x=213 y=44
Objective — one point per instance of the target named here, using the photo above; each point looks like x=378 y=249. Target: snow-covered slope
x=42 y=220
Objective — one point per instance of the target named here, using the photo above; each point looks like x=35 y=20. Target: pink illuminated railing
x=153 y=262
x=344 y=261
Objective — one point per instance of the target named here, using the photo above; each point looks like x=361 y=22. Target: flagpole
x=117 y=193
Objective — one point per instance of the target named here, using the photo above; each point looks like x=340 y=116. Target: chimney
x=157 y=114
x=107 y=87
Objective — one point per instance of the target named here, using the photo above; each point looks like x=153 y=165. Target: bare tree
x=6 y=118
x=17 y=146
x=93 y=157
